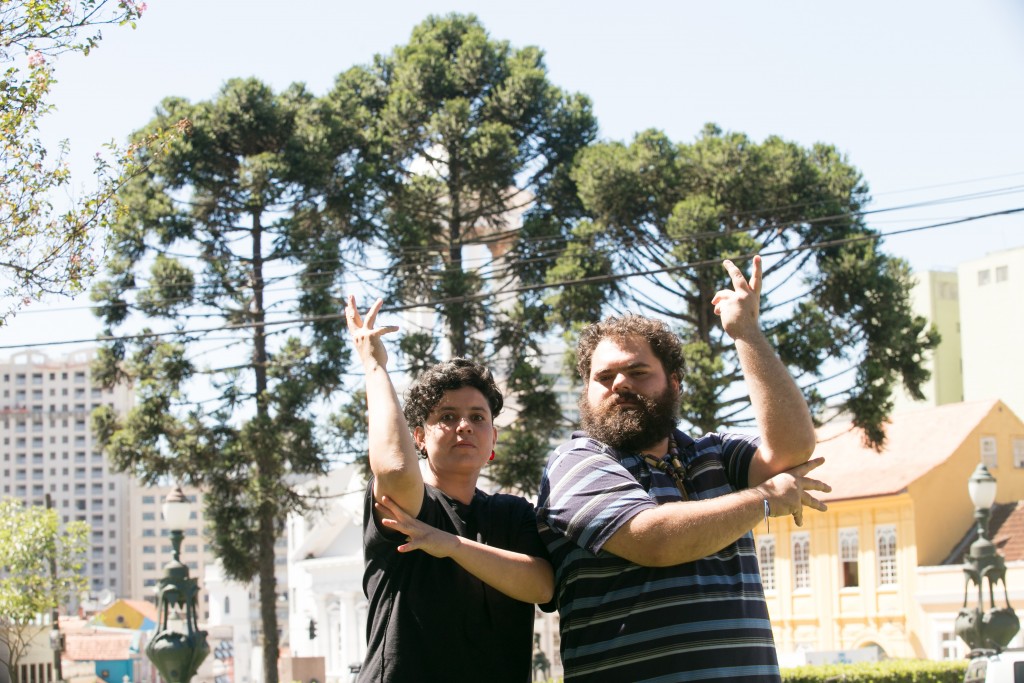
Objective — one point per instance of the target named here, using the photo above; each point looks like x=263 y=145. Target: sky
x=925 y=97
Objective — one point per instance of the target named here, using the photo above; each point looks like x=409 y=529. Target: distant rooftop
x=916 y=442
x=1005 y=528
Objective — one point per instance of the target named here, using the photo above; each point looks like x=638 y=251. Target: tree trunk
x=456 y=287
x=266 y=469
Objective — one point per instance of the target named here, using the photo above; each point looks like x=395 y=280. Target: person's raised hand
x=740 y=307
x=367 y=340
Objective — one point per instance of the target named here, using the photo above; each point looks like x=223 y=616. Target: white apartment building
x=977 y=310
x=992 y=327
x=48 y=448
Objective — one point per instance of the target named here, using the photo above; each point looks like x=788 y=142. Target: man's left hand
x=740 y=307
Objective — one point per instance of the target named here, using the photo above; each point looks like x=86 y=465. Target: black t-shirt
x=431 y=620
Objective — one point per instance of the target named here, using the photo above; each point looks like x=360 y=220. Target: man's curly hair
x=426 y=392
x=665 y=343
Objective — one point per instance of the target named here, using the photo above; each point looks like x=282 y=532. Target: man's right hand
x=787 y=492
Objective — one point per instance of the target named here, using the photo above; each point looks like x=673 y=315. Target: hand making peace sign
x=739 y=308
x=367 y=340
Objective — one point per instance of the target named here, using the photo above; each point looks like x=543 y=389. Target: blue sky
x=925 y=97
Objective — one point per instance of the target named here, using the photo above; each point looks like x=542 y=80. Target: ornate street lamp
x=982 y=629
x=177 y=649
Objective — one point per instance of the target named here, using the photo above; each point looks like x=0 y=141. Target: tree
x=228 y=221
x=662 y=217
x=469 y=134
x=30 y=537
x=48 y=248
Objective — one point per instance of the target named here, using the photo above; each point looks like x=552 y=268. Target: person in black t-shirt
x=462 y=609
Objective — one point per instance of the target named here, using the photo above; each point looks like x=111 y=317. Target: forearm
x=783 y=418
x=674 y=533
x=519 y=576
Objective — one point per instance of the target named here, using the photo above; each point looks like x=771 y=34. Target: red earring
x=492 y=456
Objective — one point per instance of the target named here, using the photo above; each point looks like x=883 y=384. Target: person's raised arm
x=393 y=458
x=783 y=418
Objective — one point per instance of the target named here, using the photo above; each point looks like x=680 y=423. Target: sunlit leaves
x=47 y=240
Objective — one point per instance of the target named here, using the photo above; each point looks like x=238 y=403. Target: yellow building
x=130 y=614
x=852 y=577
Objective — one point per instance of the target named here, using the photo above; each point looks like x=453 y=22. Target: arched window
x=801 y=561
x=766 y=558
x=848 y=556
x=885 y=539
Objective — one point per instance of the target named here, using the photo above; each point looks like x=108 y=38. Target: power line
x=598 y=279
x=502 y=272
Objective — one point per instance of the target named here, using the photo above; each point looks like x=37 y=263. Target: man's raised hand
x=740 y=307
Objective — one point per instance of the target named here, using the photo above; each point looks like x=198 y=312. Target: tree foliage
x=46 y=240
x=225 y=246
x=661 y=217
x=468 y=134
x=30 y=537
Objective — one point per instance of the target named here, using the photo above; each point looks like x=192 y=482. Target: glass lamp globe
x=176 y=509
x=981 y=487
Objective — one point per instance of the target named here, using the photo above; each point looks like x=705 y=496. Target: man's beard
x=631 y=428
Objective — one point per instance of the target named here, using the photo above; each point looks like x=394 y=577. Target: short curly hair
x=426 y=392
x=665 y=343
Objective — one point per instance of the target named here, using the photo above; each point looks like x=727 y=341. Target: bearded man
x=649 y=530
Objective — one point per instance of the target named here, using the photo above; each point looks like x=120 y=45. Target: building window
x=227 y=605
x=885 y=539
x=984 y=277
x=1018 y=451
x=1002 y=273
x=989 y=455
x=801 y=561
x=848 y=554
x=949 y=646
x=766 y=558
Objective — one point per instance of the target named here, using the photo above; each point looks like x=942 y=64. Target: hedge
x=888 y=671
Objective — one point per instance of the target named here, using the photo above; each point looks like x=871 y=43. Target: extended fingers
x=352 y=313
x=810 y=501
x=755 y=277
x=355 y=320
x=815 y=485
x=371 y=315
x=739 y=282
x=802 y=469
x=389 y=506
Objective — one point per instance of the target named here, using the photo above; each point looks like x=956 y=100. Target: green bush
x=889 y=671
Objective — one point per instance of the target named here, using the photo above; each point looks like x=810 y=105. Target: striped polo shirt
x=698 y=621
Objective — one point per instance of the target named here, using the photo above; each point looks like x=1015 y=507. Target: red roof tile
x=1009 y=536
x=98 y=646
x=1005 y=528
x=916 y=441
